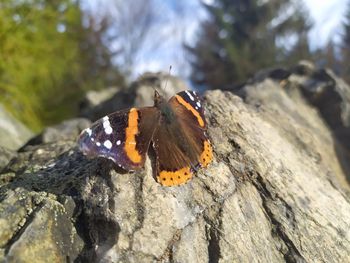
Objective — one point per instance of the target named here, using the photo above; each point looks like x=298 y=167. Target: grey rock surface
x=329 y=94
x=275 y=192
x=94 y=98
x=13 y=134
x=306 y=90
x=67 y=130
x=5 y=156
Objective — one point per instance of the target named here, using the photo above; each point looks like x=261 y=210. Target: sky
x=327 y=16
x=174 y=30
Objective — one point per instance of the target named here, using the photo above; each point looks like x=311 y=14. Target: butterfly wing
x=181 y=145
x=188 y=108
x=123 y=137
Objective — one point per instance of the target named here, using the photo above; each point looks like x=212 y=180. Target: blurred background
x=53 y=52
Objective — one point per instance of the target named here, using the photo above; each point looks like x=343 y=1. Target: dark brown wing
x=123 y=137
x=173 y=163
x=189 y=110
x=181 y=144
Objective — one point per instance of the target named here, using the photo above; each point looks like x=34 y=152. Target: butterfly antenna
x=166 y=81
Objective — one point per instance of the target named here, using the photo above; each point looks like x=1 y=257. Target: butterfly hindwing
x=123 y=137
x=173 y=161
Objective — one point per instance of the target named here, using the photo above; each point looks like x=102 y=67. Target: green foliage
x=243 y=36
x=48 y=59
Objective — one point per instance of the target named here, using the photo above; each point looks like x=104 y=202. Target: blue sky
x=173 y=30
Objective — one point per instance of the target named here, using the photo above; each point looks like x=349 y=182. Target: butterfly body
x=176 y=129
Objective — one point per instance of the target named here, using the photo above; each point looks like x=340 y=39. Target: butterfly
x=176 y=129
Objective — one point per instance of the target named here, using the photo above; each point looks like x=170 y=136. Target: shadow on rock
x=65 y=187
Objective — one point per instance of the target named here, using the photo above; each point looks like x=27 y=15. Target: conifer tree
x=243 y=36
x=345 y=47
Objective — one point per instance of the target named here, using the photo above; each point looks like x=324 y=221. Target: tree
x=328 y=57
x=243 y=36
x=49 y=58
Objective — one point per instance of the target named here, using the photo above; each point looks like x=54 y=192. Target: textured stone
x=46 y=233
x=5 y=156
x=309 y=91
x=67 y=130
x=13 y=134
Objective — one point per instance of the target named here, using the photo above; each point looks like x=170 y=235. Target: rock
x=275 y=192
x=328 y=93
x=167 y=85
x=67 y=130
x=5 y=156
x=48 y=221
x=13 y=134
x=96 y=101
x=140 y=94
x=317 y=89
x=94 y=98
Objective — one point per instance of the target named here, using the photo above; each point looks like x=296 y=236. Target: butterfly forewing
x=190 y=104
x=123 y=137
x=189 y=111
x=181 y=144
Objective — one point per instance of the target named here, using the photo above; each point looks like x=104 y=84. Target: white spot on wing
x=198 y=104
x=107 y=125
x=107 y=144
x=119 y=142
x=98 y=143
x=108 y=130
x=189 y=95
x=88 y=131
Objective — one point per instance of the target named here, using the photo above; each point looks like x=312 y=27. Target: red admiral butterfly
x=176 y=128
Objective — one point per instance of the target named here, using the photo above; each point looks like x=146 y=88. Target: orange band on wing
x=169 y=178
x=207 y=154
x=190 y=108
x=130 y=137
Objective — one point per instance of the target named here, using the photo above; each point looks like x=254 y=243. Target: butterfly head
x=158 y=99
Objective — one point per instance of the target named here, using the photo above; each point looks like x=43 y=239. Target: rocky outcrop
x=13 y=134
x=5 y=157
x=67 y=130
x=275 y=192
x=308 y=90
